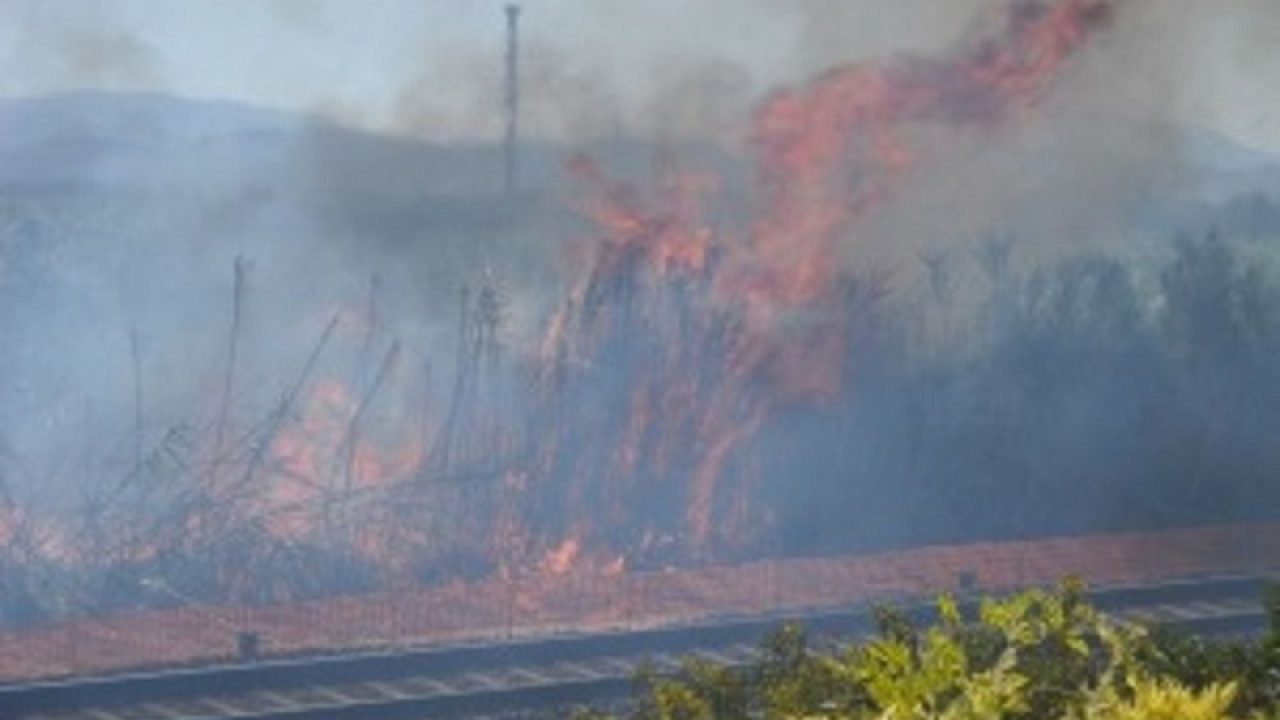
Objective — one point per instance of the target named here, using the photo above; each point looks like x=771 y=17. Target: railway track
x=550 y=672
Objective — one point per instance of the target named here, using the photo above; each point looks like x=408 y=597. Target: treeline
x=984 y=397
x=1006 y=399
x=1038 y=654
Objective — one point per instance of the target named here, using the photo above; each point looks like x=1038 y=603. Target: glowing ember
x=560 y=559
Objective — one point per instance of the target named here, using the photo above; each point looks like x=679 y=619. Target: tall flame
x=749 y=325
x=674 y=350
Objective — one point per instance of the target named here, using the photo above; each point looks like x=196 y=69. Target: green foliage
x=1160 y=700
x=1037 y=654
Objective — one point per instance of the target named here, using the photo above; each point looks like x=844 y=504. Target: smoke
x=56 y=48
x=598 y=68
x=1080 y=173
x=590 y=75
x=708 y=102
x=116 y=59
x=829 y=33
x=1110 y=140
x=741 y=351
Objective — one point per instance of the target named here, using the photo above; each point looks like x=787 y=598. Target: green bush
x=1037 y=654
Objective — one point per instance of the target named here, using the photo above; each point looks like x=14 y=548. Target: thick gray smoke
x=1035 y=352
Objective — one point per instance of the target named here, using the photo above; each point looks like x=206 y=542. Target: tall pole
x=512 y=100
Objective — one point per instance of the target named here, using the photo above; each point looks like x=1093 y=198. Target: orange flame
x=826 y=153
x=709 y=335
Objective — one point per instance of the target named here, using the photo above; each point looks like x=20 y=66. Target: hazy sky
x=433 y=67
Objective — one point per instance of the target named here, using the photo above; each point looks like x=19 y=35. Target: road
x=549 y=672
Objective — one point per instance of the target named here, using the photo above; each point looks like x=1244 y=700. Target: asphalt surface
x=551 y=672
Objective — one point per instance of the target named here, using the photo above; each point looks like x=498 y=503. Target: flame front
x=635 y=442
x=706 y=336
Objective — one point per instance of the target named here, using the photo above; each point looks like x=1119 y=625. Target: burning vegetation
x=671 y=407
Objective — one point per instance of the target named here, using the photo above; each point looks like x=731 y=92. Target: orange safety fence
x=494 y=609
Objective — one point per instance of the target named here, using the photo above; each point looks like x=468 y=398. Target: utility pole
x=511 y=159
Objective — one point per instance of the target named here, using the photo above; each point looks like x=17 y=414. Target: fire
x=9 y=519
x=323 y=455
x=560 y=559
x=751 y=325
x=673 y=237
x=33 y=536
x=680 y=343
